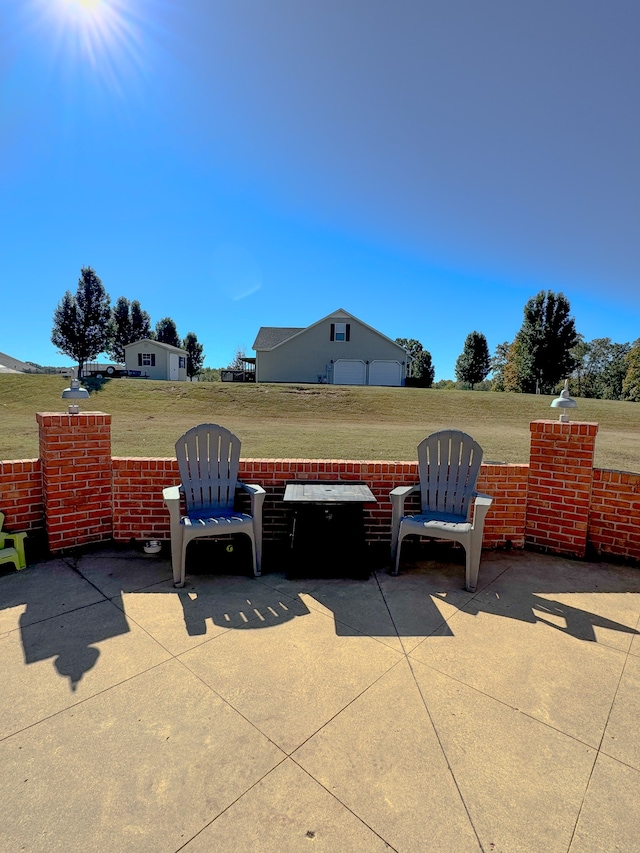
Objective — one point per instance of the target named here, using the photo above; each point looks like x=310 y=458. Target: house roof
x=270 y=337
x=156 y=344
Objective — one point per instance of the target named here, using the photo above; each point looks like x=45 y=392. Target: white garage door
x=349 y=372
x=385 y=373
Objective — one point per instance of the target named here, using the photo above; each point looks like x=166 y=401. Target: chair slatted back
x=449 y=463
x=208 y=459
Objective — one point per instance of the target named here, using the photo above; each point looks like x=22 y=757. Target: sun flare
x=106 y=34
x=86 y=4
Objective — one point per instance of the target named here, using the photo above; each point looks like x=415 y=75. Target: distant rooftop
x=270 y=336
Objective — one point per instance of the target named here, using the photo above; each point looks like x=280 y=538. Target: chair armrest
x=398 y=496
x=481 y=506
x=171 y=496
x=257 y=495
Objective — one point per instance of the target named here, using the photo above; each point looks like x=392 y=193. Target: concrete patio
x=326 y=714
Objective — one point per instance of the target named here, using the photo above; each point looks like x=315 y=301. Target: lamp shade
x=75 y=392
x=564 y=401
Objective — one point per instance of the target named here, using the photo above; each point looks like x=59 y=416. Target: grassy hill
x=309 y=421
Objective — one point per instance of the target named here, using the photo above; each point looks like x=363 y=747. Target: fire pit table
x=328 y=534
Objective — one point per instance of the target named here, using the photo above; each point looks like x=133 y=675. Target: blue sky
x=427 y=165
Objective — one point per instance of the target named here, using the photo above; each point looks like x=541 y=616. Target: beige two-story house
x=339 y=349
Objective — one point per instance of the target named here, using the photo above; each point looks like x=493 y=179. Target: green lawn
x=314 y=421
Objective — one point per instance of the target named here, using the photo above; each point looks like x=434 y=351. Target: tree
x=195 y=355
x=81 y=323
x=473 y=363
x=129 y=323
x=515 y=367
x=631 y=384
x=497 y=366
x=422 y=370
x=120 y=329
x=601 y=368
x=209 y=374
x=167 y=333
x=238 y=360
x=544 y=343
x=140 y=323
x=580 y=353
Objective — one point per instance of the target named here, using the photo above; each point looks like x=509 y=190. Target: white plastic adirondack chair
x=208 y=459
x=449 y=462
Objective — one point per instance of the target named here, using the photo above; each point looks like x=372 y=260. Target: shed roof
x=270 y=336
x=156 y=344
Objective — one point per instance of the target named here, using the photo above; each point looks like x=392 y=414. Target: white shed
x=155 y=360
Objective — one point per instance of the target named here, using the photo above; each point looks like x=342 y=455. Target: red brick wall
x=21 y=498
x=559 y=487
x=507 y=485
x=614 y=515
x=75 y=455
x=139 y=512
x=138 y=509
x=558 y=502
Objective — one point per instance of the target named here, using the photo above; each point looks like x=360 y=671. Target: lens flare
x=106 y=34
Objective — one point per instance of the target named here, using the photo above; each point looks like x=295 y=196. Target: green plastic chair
x=17 y=546
x=10 y=555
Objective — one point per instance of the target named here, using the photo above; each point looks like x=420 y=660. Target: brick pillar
x=559 y=487
x=75 y=455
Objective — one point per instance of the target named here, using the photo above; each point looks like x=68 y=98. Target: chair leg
x=254 y=553
x=257 y=551
x=396 y=556
x=179 y=562
x=473 y=550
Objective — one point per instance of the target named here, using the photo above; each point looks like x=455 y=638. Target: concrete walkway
x=321 y=714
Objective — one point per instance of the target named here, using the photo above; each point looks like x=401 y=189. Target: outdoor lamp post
x=75 y=392
x=564 y=402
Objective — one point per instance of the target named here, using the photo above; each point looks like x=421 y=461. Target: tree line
x=85 y=325
x=546 y=350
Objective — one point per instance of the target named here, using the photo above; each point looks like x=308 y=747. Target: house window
x=182 y=361
x=340 y=331
x=146 y=359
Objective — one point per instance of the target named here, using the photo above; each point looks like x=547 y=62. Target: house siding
x=312 y=353
x=161 y=368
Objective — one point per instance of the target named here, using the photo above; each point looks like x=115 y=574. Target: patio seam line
x=226 y=808
x=431 y=720
x=226 y=701
x=507 y=705
x=56 y=616
x=353 y=627
x=344 y=708
x=444 y=755
x=599 y=749
x=313 y=734
x=344 y=805
x=82 y=701
x=268 y=773
x=73 y=565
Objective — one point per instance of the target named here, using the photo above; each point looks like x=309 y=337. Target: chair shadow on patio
x=107 y=595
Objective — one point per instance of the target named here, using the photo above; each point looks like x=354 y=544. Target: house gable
x=311 y=354
x=335 y=317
